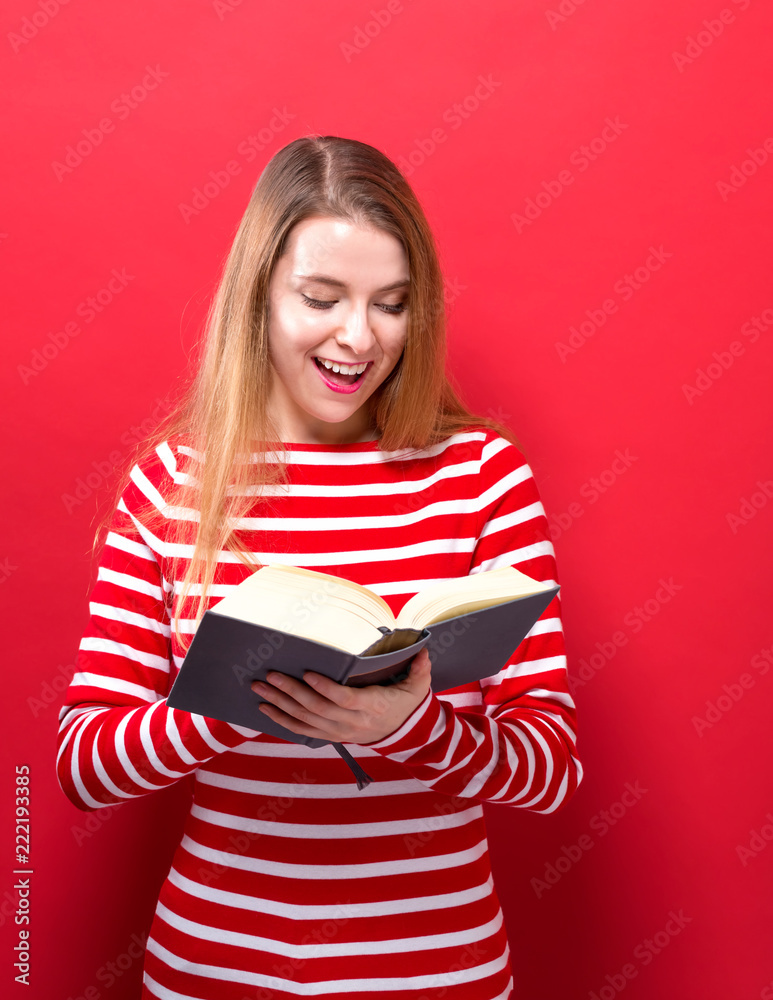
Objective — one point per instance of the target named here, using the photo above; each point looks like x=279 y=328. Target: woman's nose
x=355 y=332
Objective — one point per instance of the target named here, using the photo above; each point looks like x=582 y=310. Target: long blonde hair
x=223 y=412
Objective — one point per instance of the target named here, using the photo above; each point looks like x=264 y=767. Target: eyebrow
x=325 y=279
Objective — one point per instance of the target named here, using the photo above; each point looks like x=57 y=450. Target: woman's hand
x=320 y=707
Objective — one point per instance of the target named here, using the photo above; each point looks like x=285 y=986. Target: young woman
x=321 y=432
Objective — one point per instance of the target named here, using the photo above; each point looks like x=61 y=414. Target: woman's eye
x=327 y=303
x=318 y=303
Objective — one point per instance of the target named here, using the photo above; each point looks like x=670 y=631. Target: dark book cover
x=228 y=654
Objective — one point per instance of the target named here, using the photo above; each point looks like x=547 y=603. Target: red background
x=77 y=402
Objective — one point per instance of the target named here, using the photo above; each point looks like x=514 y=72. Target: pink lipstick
x=342 y=383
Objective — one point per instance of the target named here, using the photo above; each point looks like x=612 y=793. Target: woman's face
x=337 y=297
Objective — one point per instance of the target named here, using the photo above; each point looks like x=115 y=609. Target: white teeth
x=343 y=369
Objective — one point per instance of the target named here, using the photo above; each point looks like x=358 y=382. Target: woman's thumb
x=420 y=665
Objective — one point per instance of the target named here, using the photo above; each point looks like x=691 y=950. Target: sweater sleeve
x=509 y=738
x=117 y=737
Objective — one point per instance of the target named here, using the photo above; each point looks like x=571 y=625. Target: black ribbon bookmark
x=363 y=779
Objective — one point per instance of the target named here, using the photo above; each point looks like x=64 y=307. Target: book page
x=312 y=605
x=286 y=611
x=462 y=595
x=322 y=585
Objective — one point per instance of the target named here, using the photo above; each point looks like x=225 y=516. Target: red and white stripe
x=289 y=881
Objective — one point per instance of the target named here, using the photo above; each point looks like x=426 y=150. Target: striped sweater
x=288 y=881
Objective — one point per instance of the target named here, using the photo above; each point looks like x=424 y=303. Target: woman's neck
x=322 y=432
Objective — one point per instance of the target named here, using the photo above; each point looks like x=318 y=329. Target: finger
x=420 y=670
x=279 y=704
x=294 y=724
x=340 y=694
x=299 y=700
x=421 y=659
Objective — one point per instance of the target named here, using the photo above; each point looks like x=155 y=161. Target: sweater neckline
x=320 y=446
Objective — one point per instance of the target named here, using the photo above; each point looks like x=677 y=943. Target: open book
x=292 y=620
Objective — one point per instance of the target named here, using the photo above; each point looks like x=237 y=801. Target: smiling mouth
x=339 y=373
